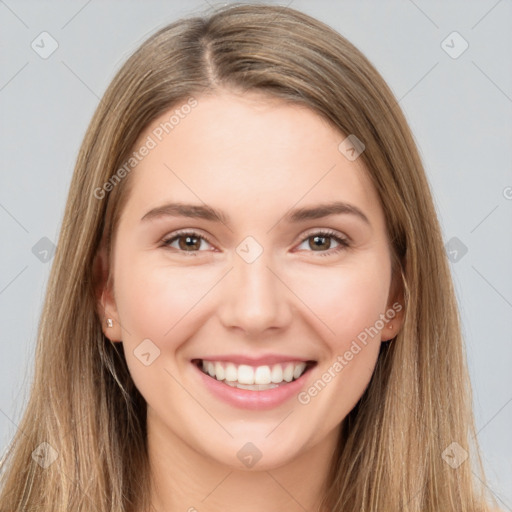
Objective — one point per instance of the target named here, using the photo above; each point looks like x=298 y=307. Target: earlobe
x=395 y=312
x=395 y=316
x=112 y=330
x=109 y=323
x=391 y=329
x=105 y=303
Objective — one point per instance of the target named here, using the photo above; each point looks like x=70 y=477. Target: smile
x=253 y=386
x=256 y=378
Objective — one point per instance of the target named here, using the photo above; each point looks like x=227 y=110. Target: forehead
x=247 y=152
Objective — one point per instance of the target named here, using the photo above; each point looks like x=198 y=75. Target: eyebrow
x=292 y=216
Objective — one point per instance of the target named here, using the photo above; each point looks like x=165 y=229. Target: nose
x=254 y=299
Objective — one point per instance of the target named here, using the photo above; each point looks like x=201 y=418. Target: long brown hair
x=86 y=418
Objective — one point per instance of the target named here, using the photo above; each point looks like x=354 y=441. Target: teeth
x=277 y=373
x=262 y=375
x=219 y=371
x=249 y=377
x=245 y=374
x=297 y=371
x=288 y=373
x=231 y=372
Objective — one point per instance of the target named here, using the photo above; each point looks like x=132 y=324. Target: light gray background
x=459 y=110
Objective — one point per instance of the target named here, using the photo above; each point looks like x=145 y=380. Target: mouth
x=254 y=378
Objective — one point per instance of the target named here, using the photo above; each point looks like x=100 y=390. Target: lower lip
x=249 y=399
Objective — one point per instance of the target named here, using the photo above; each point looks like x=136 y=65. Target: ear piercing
x=110 y=323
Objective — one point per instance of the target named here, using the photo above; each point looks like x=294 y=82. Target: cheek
x=348 y=299
x=158 y=301
x=161 y=303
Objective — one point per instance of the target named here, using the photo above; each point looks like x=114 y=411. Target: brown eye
x=319 y=243
x=188 y=242
x=324 y=243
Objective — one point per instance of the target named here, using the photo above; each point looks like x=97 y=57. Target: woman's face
x=231 y=251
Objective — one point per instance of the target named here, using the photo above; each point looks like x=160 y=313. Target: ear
x=105 y=302
x=395 y=309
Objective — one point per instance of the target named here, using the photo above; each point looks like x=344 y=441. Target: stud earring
x=110 y=322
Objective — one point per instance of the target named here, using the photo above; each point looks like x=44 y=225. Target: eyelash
x=343 y=242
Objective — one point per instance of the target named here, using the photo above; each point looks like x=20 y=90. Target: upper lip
x=255 y=361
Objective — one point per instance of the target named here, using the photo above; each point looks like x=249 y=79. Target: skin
x=254 y=158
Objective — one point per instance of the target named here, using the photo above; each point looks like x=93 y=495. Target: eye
x=325 y=242
x=187 y=242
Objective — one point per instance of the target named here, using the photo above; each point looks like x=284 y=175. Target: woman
x=250 y=292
